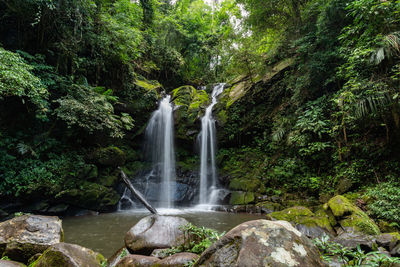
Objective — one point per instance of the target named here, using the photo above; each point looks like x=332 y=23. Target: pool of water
x=105 y=233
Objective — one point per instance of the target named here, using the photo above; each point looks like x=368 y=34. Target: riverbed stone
x=153 y=232
x=262 y=243
x=305 y=221
x=24 y=236
x=69 y=255
x=4 y=263
x=350 y=217
x=137 y=261
x=177 y=260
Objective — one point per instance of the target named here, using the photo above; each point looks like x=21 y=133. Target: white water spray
x=208 y=169
x=160 y=142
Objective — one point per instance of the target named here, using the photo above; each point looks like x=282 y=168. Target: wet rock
x=58 y=209
x=4 y=263
x=305 y=221
x=155 y=232
x=137 y=261
x=177 y=260
x=350 y=217
x=262 y=243
x=24 y=236
x=71 y=255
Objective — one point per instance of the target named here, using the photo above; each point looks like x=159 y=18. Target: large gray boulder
x=69 y=255
x=154 y=232
x=262 y=243
x=24 y=236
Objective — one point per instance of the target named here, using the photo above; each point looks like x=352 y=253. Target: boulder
x=354 y=239
x=24 y=236
x=350 y=217
x=388 y=240
x=4 y=263
x=177 y=260
x=137 y=261
x=241 y=198
x=305 y=221
x=395 y=252
x=160 y=253
x=262 y=243
x=69 y=255
x=109 y=156
x=153 y=232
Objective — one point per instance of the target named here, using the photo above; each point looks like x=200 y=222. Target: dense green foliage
x=311 y=107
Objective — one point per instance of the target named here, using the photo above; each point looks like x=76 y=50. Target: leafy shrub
x=197 y=239
x=386 y=201
x=353 y=257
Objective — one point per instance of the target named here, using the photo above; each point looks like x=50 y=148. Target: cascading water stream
x=160 y=143
x=208 y=169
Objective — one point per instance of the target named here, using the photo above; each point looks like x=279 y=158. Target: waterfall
x=208 y=169
x=160 y=144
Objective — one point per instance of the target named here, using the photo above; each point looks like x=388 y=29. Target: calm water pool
x=105 y=233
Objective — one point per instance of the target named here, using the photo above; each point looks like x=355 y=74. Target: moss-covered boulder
x=69 y=255
x=137 y=260
x=249 y=185
x=109 y=156
x=177 y=260
x=241 y=198
x=305 y=221
x=24 y=236
x=350 y=217
x=90 y=196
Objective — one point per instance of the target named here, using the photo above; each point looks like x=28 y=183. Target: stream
x=105 y=233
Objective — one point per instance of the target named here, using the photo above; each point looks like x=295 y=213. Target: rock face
x=137 y=261
x=155 y=232
x=69 y=255
x=350 y=217
x=24 y=236
x=308 y=223
x=177 y=260
x=262 y=243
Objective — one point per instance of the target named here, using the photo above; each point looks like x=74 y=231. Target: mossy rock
x=350 y=217
x=269 y=206
x=90 y=196
x=241 y=198
x=88 y=172
x=249 y=185
x=109 y=156
x=387 y=227
x=71 y=255
x=303 y=216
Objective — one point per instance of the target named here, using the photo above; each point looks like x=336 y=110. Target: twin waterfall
x=160 y=185
x=208 y=169
x=160 y=144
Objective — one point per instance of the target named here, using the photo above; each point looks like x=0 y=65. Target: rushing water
x=105 y=233
x=160 y=146
x=208 y=169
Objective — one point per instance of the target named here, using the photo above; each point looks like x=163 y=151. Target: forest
x=309 y=111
